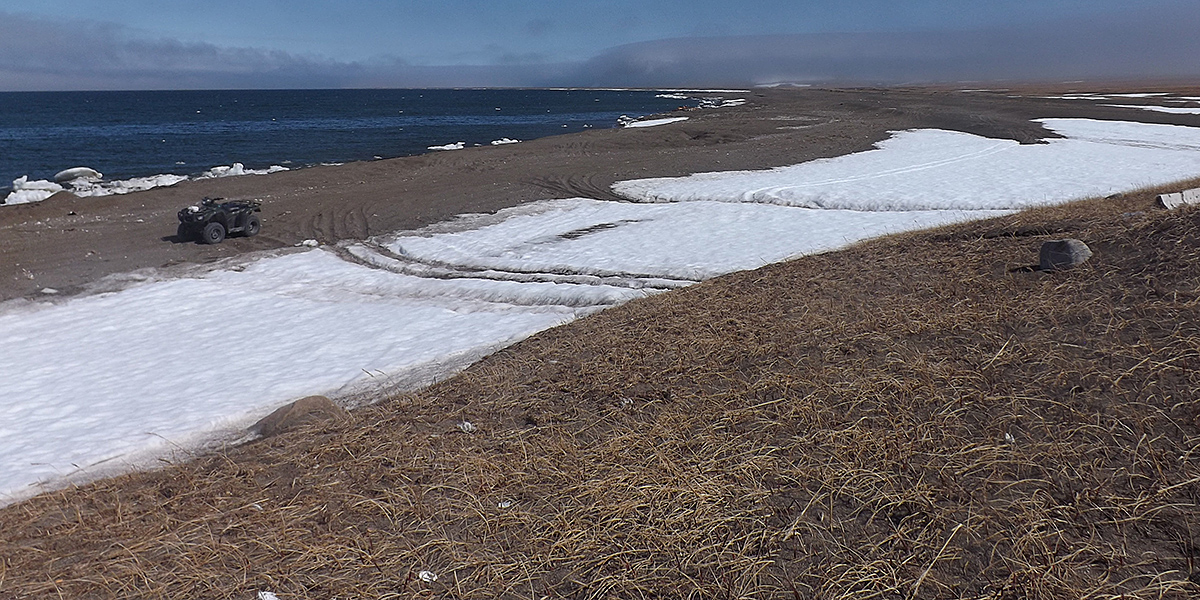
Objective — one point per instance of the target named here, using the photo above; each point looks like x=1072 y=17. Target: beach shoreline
x=67 y=245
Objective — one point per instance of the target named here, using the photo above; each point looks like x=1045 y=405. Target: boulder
x=1063 y=254
x=304 y=410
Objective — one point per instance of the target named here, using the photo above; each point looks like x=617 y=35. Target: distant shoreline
x=70 y=244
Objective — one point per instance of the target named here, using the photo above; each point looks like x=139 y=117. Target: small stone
x=1063 y=254
x=304 y=410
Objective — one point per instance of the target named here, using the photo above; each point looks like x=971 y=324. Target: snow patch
x=950 y=170
x=1177 y=110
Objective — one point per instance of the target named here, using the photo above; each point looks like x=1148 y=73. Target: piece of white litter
x=49 y=291
x=1009 y=439
x=504 y=504
x=467 y=427
x=427 y=576
x=267 y=596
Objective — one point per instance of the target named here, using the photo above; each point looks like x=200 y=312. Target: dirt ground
x=68 y=243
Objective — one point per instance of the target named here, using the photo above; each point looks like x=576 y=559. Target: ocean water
x=137 y=134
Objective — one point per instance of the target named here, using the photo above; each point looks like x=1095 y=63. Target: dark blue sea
x=135 y=134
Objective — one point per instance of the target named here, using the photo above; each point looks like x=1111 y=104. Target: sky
x=140 y=44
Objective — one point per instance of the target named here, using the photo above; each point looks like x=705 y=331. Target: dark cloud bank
x=1164 y=44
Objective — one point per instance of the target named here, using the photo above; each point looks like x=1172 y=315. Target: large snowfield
x=99 y=384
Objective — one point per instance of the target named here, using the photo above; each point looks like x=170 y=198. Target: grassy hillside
x=918 y=416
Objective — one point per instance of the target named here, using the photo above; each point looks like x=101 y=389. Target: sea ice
x=238 y=169
x=87 y=185
x=26 y=191
x=655 y=122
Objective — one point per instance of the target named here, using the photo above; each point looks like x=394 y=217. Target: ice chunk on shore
x=237 y=169
x=77 y=173
x=84 y=181
x=123 y=186
x=654 y=122
x=503 y=141
x=454 y=146
x=26 y=191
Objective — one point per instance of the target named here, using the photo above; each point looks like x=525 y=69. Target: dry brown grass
x=916 y=417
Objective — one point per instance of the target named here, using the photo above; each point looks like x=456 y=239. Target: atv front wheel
x=214 y=233
x=253 y=226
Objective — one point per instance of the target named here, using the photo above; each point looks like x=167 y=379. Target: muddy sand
x=69 y=244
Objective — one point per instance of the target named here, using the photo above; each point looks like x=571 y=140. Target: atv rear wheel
x=214 y=233
x=253 y=226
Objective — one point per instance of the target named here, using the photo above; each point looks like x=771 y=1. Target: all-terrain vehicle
x=211 y=220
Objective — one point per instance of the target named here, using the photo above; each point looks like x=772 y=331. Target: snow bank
x=98 y=384
x=949 y=170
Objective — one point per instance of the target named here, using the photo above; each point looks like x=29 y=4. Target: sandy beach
x=68 y=244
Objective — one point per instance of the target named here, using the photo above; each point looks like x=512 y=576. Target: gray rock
x=1063 y=254
x=304 y=410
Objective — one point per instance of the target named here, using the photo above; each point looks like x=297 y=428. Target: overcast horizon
x=147 y=44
